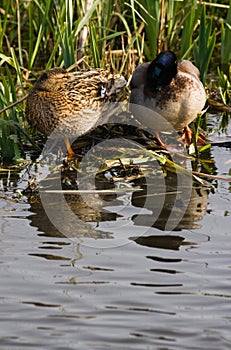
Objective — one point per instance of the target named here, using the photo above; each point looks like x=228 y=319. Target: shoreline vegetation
x=117 y=35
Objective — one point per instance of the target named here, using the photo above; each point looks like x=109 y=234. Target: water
x=119 y=283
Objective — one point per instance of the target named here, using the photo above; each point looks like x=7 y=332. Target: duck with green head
x=170 y=88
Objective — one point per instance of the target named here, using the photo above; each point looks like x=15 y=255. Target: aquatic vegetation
x=206 y=44
x=225 y=87
x=225 y=43
x=13 y=135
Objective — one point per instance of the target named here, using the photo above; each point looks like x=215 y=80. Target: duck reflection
x=162 y=241
x=55 y=218
x=80 y=216
x=178 y=211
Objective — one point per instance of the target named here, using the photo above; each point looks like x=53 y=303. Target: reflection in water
x=85 y=213
x=194 y=209
x=50 y=256
x=164 y=205
x=78 y=206
x=162 y=242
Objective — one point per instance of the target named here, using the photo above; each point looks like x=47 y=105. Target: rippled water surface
x=119 y=282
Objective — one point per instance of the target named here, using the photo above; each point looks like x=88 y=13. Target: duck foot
x=159 y=141
x=188 y=135
x=70 y=153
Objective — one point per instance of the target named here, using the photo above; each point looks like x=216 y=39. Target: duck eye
x=103 y=91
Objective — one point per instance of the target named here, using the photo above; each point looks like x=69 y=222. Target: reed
x=189 y=25
x=225 y=43
x=225 y=87
x=204 y=46
x=11 y=120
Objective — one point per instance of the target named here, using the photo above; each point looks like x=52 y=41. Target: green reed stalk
x=136 y=33
x=206 y=43
x=9 y=134
x=189 y=13
x=225 y=43
x=225 y=87
x=150 y=11
x=94 y=45
x=41 y=30
x=4 y=22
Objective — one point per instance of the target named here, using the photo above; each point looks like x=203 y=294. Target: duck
x=71 y=103
x=172 y=90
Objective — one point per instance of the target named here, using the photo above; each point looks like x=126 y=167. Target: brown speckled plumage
x=71 y=103
x=179 y=102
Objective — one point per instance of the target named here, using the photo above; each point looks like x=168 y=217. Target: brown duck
x=71 y=103
x=170 y=88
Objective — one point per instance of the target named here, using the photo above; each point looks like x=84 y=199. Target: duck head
x=161 y=71
x=51 y=80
